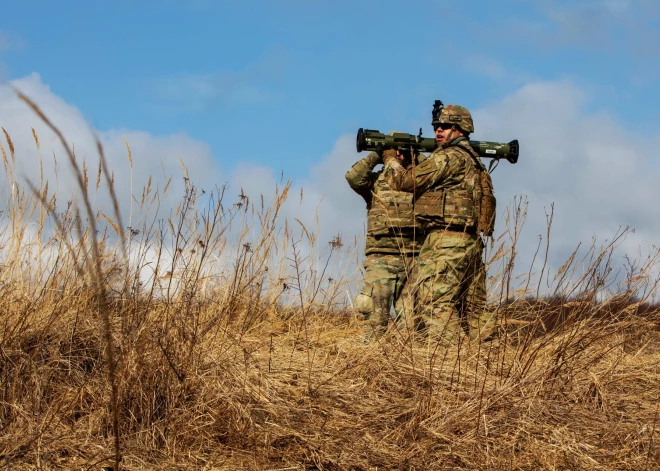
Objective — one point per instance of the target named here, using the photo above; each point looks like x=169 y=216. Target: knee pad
x=364 y=304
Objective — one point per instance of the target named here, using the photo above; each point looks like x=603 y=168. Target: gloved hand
x=388 y=155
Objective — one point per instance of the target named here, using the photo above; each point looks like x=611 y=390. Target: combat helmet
x=452 y=114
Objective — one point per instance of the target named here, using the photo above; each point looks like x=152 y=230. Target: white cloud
x=323 y=194
x=600 y=175
x=157 y=156
x=322 y=201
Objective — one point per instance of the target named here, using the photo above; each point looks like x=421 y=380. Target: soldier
x=392 y=243
x=454 y=204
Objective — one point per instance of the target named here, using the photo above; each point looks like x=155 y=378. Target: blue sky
x=277 y=81
x=245 y=90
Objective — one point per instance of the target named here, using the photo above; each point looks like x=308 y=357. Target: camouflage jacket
x=391 y=223
x=446 y=186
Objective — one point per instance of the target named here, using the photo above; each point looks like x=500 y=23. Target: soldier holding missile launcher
x=453 y=203
x=392 y=242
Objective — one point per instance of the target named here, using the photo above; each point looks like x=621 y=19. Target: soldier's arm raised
x=432 y=171
x=361 y=177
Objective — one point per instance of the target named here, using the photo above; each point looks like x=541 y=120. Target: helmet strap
x=449 y=139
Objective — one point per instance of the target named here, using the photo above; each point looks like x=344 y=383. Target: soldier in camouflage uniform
x=392 y=243
x=449 y=188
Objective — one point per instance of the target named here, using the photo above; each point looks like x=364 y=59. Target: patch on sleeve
x=430 y=165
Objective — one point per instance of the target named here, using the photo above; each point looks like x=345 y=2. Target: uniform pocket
x=448 y=240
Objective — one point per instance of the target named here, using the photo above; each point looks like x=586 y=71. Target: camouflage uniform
x=451 y=285
x=393 y=240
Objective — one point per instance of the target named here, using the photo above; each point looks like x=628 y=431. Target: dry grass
x=229 y=352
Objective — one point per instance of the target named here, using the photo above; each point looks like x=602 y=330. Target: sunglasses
x=443 y=126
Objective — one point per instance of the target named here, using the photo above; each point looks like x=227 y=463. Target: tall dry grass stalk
x=220 y=338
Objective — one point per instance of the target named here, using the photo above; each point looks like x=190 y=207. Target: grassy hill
x=182 y=344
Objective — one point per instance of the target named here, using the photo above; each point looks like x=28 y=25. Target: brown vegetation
x=234 y=353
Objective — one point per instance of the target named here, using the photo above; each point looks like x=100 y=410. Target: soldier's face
x=445 y=133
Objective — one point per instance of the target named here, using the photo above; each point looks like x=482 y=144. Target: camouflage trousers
x=450 y=291
x=385 y=285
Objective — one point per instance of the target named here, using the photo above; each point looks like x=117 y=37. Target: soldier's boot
x=482 y=327
x=405 y=311
x=479 y=323
x=440 y=325
x=404 y=307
